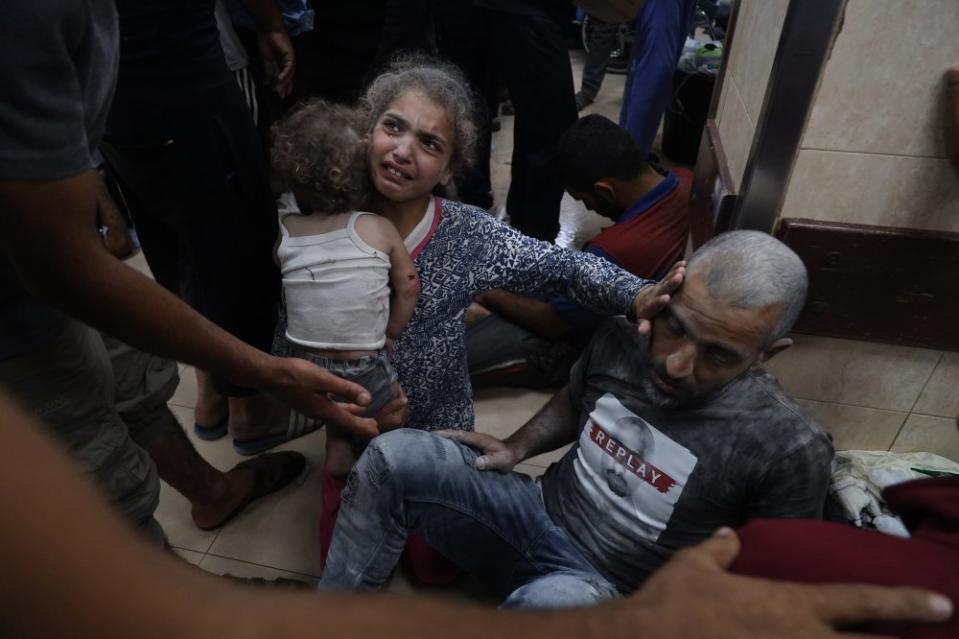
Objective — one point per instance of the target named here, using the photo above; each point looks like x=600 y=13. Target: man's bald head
x=750 y=269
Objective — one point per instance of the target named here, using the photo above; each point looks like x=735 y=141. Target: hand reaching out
x=310 y=389
x=694 y=597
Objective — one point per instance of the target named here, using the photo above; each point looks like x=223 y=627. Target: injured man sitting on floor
x=676 y=431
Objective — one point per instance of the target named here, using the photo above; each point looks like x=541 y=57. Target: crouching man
x=675 y=433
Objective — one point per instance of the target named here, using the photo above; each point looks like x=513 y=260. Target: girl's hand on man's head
x=652 y=299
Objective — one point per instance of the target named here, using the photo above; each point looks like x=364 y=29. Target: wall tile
x=929 y=434
x=759 y=24
x=854 y=427
x=852 y=372
x=881 y=90
x=941 y=395
x=736 y=131
x=884 y=190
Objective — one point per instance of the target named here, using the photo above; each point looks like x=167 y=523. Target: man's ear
x=774 y=349
x=605 y=189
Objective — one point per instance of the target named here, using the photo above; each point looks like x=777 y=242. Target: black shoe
x=584 y=99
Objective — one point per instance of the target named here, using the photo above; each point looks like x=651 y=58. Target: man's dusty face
x=701 y=343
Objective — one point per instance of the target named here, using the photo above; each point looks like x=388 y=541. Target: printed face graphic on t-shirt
x=636 y=444
x=637 y=470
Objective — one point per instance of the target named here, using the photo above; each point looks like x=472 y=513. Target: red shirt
x=651 y=235
x=825 y=552
x=646 y=240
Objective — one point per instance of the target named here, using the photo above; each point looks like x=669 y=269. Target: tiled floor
x=277 y=537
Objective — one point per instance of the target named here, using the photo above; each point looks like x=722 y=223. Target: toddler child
x=349 y=282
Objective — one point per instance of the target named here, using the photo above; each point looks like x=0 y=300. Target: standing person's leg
x=144 y=384
x=67 y=382
x=500 y=353
x=197 y=171
x=661 y=29
x=462 y=36
x=493 y=525
x=602 y=41
x=531 y=54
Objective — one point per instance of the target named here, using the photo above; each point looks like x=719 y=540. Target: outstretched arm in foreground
x=66 y=549
x=50 y=237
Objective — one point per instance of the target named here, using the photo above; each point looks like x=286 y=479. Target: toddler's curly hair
x=319 y=153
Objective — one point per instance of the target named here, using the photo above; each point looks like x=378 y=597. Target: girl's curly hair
x=444 y=84
x=319 y=153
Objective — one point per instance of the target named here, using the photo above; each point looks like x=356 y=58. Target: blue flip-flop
x=213 y=431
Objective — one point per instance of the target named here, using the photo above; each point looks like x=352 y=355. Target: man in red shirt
x=519 y=341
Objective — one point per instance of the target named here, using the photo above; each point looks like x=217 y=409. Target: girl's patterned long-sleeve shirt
x=465 y=253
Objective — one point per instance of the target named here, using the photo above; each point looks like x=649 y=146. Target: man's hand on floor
x=694 y=597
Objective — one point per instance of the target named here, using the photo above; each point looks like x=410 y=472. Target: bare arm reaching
x=532 y=314
x=114 y=594
x=49 y=236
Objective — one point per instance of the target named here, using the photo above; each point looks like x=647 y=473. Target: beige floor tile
x=853 y=372
x=139 y=262
x=500 y=411
x=941 y=395
x=226 y=566
x=530 y=469
x=185 y=394
x=929 y=434
x=854 y=427
x=189 y=556
x=173 y=513
x=281 y=530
